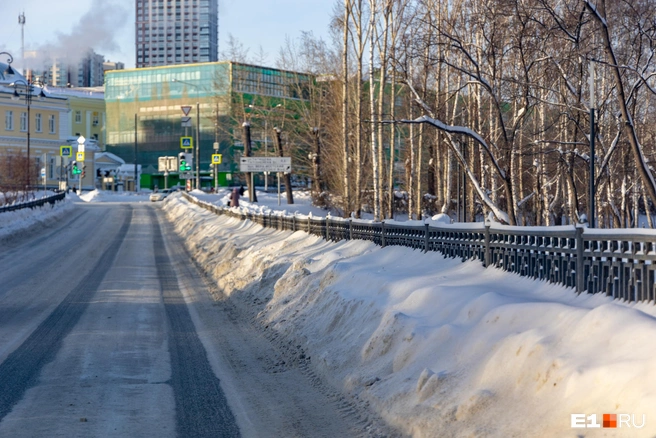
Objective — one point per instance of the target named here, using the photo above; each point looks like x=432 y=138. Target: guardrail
x=620 y=263
x=36 y=203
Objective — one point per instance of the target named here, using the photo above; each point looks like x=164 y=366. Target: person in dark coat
x=241 y=190
x=234 y=198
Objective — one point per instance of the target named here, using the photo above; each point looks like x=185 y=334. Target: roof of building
x=89 y=92
x=9 y=74
x=109 y=156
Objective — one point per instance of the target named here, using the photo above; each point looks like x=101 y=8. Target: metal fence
x=618 y=263
x=36 y=203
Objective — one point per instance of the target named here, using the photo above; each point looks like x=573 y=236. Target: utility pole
x=591 y=211
x=136 y=174
x=252 y=197
x=21 y=21
x=197 y=144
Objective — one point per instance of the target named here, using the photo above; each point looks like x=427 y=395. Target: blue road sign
x=66 y=151
x=186 y=143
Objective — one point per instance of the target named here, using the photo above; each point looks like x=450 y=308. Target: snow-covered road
x=108 y=329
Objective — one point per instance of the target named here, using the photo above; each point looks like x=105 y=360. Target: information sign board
x=265 y=164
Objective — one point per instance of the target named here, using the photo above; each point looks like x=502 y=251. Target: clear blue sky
x=108 y=25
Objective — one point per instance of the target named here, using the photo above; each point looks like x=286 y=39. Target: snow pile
x=437 y=347
x=109 y=196
x=266 y=202
x=13 y=222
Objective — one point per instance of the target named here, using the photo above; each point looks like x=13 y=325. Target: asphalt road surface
x=107 y=329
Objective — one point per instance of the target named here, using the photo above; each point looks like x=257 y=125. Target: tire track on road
x=46 y=260
x=200 y=404
x=21 y=370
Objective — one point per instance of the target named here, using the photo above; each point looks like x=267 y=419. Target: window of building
x=39 y=126
x=78 y=116
x=51 y=124
x=23 y=122
x=9 y=120
x=95 y=120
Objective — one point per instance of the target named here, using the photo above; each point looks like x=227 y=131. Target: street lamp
x=197 y=147
x=591 y=219
x=27 y=91
x=9 y=71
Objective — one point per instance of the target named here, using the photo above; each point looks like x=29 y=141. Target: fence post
x=580 y=280
x=487 y=256
x=350 y=229
x=294 y=223
x=425 y=237
x=326 y=234
x=383 y=233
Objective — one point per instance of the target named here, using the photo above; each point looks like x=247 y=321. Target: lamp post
x=197 y=147
x=132 y=93
x=136 y=172
x=591 y=219
x=27 y=91
x=9 y=71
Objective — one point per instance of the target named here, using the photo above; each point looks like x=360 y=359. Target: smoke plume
x=95 y=31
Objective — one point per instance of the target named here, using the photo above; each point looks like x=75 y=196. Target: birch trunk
x=345 y=161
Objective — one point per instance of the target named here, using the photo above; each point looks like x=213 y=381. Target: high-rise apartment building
x=171 y=32
x=87 y=71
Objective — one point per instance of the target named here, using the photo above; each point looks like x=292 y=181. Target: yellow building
x=35 y=121
x=87 y=112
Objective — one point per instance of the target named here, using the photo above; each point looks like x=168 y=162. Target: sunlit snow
x=437 y=347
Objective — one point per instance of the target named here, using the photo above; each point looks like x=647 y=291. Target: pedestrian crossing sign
x=216 y=158
x=66 y=151
x=186 y=143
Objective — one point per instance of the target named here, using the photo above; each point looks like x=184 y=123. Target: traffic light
x=184 y=162
x=74 y=169
x=83 y=171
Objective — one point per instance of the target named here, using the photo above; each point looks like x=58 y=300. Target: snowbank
x=25 y=219
x=437 y=347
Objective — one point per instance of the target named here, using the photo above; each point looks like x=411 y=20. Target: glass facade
x=267 y=82
x=220 y=92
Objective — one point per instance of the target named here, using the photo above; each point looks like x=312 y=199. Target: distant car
x=159 y=196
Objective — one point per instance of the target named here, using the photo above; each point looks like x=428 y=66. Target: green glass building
x=145 y=117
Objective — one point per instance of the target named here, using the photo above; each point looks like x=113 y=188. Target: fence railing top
x=563 y=231
x=27 y=204
x=619 y=234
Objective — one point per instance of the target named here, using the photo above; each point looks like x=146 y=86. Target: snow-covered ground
x=437 y=347
x=18 y=221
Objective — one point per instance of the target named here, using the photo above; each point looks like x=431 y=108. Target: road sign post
x=266 y=164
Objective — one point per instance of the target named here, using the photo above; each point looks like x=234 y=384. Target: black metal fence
x=36 y=203
x=619 y=263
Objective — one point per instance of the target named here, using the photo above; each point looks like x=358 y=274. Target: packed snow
x=435 y=346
